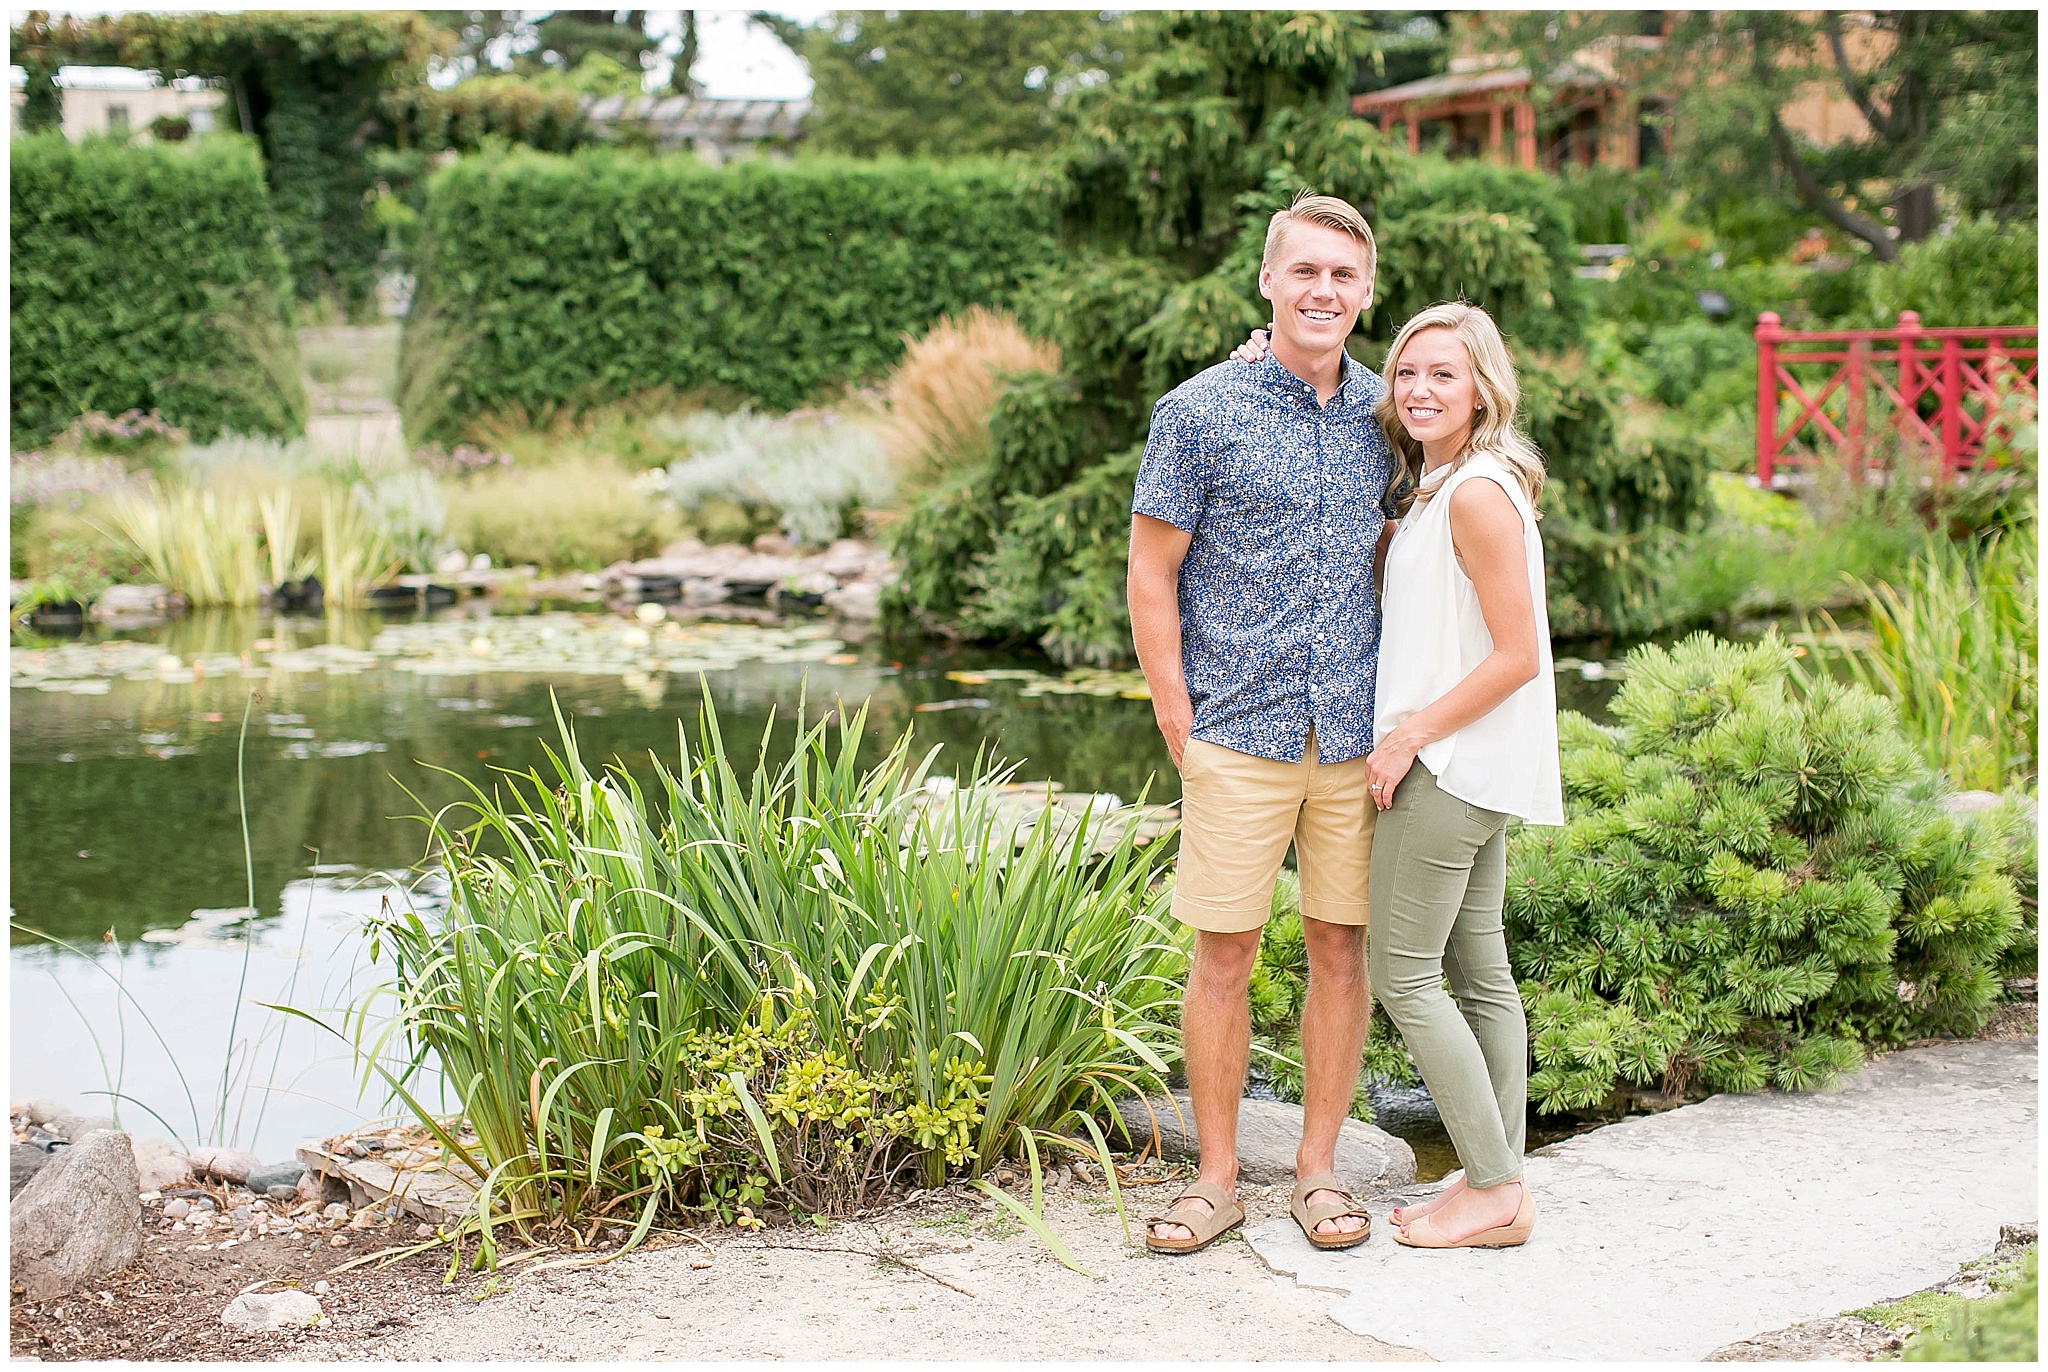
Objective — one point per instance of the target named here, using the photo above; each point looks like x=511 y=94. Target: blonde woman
x=1465 y=690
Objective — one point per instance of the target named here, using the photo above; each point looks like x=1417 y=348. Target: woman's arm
x=1486 y=531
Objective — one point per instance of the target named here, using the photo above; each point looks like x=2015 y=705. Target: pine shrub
x=1753 y=884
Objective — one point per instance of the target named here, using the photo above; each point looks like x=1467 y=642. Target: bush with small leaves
x=1752 y=884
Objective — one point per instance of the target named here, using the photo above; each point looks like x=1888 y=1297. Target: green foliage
x=562 y=282
x=464 y=115
x=2003 y=1328
x=926 y=986
x=577 y=514
x=149 y=279
x=949 y=83
x=808 y=475
x=1957 y=646
x=1981 y=272
x=1750 y=885
x=307 y=85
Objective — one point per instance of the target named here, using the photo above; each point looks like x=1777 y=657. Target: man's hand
x=1176 y=718
x=1157 y=549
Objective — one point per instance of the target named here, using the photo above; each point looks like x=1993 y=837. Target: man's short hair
x=1331 y=213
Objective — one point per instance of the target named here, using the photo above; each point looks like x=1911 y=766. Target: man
x=1260 y=505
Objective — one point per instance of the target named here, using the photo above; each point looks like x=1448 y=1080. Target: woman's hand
x=1388 y=762
x=1254 y=347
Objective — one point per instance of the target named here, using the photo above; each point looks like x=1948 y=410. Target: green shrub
x=1753 y=883
x=566 y=282
x=573 y=516
x=810 y=474
x=1986 y=271
x=2004 y=1328
x=926 y=984
x=148 y=278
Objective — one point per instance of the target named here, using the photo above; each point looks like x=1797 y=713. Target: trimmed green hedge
x=148 y=278
x=549 y=282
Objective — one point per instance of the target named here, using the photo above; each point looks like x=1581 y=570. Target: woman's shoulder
x=1489 y=471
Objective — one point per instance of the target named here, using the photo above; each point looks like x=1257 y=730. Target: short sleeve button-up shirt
x=1285 y=498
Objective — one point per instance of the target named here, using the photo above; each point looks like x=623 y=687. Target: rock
x=146 y=1149
x=334 y=1210
x=1369 y=1159
x=160 y=1174
x=858 y=600
x=264 y=1313
x=321 y=1288
x=43 y=1111
x=25 y=1161
x=177 y=1209
x=225 y=1164
x=453 y=561
x=308 y=1187
x=773 y=545
x=845 y=560
x=286 y=1174
x=78 y=1219
x=131 y=600
x=72 y=1127
x=480 y=563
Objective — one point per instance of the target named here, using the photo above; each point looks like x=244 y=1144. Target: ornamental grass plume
x=933 y=415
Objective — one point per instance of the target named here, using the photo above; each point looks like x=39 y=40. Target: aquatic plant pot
x=441 y=595
x=798 y=600
x=58 y=614
x=392 y=598
x=661 y=588
x=750 y=590
x=306 y=594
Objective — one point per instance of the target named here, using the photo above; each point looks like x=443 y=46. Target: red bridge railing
x=1946 y=390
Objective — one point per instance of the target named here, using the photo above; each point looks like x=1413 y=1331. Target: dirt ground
x=947 y=1276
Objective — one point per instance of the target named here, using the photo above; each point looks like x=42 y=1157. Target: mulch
x=168 y=1305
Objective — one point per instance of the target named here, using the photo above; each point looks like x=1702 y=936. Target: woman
x=1465 y=689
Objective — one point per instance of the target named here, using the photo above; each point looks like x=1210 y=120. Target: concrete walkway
x=1666 y=1237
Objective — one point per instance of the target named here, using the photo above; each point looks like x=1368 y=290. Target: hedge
x=148 y=278
x=549 y=282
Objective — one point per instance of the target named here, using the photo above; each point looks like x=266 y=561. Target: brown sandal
x=1225 y=1215
x=1309 y=1216
x=1515 y=1233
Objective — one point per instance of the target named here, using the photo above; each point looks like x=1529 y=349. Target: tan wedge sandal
x=1309 y=1216
x=1422 y=1234
x=1225 y=1215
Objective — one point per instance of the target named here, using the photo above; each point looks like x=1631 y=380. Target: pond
x=128 y=839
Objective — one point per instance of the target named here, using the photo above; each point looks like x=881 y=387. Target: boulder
x=1369 y=1159
x=225 y=1164
x=858 y=600
x=43 y=1111
x=285 y=1174
x=147 y=1149
x=25 y=1161
x=72 y=1127
x=78 y=1220
x=263 y=1313
x=845 y=560
x=160 y=1174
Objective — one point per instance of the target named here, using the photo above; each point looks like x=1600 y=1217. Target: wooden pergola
x=1592 y=105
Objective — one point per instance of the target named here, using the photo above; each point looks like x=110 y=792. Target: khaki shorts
x=1239 y=813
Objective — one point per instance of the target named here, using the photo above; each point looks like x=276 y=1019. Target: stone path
x=1666 y=1237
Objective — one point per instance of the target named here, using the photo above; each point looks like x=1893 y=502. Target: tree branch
x=1829 y=208
x=1853 y=83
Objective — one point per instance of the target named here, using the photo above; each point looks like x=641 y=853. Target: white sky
x=736 y=60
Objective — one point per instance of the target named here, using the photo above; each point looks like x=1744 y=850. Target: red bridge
x=1945 y=391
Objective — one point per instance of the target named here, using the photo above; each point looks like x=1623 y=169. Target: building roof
x=1453 y=85
x=681 y=118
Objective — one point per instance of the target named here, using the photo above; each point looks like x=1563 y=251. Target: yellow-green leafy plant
x=794 y=983
x=933 y=412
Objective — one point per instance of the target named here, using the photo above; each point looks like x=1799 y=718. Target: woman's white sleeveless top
x=1432 y=636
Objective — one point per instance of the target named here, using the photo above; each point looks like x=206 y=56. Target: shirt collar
x=1350 y=383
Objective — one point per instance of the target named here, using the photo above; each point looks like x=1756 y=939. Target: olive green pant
x=1439 y=873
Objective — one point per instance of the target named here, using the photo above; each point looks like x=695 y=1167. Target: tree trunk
x=1916 y=211
x=1816 y=196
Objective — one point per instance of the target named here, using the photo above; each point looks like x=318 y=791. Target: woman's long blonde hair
x=1500 y=394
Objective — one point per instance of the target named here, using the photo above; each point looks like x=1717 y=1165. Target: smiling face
x=1435 y=395
x=1318 y=281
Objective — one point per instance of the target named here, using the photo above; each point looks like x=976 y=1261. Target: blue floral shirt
x=1285 y=498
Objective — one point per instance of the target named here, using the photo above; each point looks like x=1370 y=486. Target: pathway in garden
x=1666 y=1237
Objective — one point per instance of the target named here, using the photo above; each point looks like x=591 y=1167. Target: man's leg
x=1332 y=844
x=1216 y=1039
x=1237 y=817
x=1333 y=1025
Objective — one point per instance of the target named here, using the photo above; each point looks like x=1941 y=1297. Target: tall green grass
x=611 y=962
x=1957 y=647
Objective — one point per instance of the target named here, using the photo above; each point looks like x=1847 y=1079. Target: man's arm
x=1153 y=588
